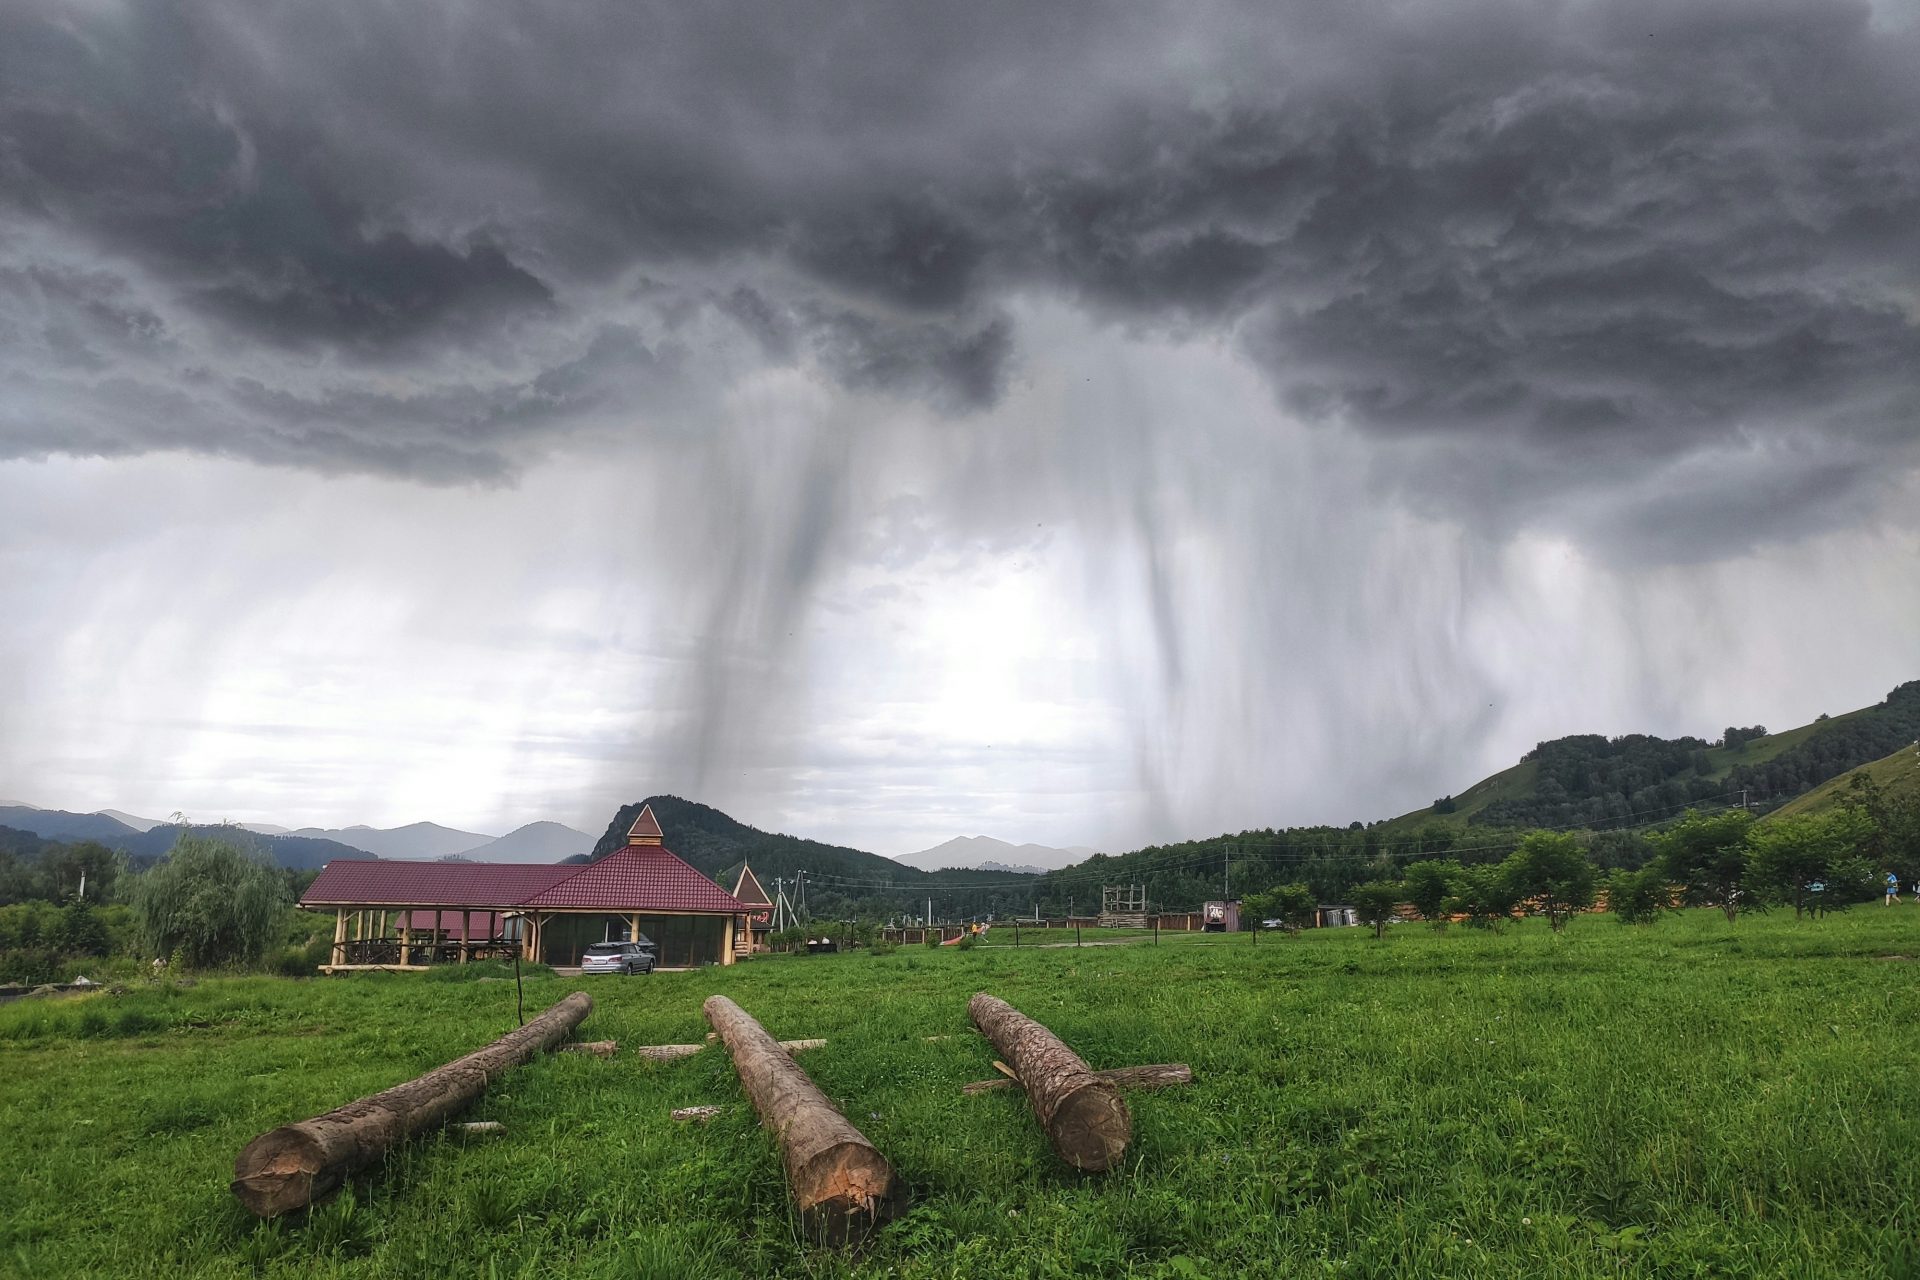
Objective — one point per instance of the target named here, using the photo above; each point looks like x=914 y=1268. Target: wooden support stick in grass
x=293 y=1165
x=675 y=1052
x=1084 y=1116
x=1160 y=1075
x=843 y=1187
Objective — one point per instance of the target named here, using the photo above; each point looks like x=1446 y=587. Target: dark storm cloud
x=1586 y=242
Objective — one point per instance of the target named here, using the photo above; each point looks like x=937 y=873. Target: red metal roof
x=639 y=877
x=451 y=884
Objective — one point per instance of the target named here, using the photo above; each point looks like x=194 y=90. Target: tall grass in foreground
x=1693 y=1099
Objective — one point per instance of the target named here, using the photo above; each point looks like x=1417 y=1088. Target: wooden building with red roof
x=409 y=915
x=759 y=919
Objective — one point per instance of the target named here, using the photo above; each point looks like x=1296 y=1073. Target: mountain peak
x=974 y=853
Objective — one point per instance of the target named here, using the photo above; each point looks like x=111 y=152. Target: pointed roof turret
x=645 y=828
x=747 y=888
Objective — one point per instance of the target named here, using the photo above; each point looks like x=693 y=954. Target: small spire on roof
x=645 y=828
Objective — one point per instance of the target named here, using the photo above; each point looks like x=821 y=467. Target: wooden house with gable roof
x=759 y=919
x=409 y=915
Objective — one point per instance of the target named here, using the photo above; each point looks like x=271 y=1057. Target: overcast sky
x=887 y=421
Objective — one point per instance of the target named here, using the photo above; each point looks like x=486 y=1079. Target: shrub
x=1376 y=903
x=1637 y=897
x=968 y=941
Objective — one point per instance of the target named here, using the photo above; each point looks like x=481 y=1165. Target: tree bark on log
x=1160 y=1075
x=291 y=1166
x=1084 y=1116
x=842 y=1185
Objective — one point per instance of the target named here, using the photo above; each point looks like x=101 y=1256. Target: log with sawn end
x=1159 y=1075
x=293 y=1165
x=1084 y=1116
x=842 y=1185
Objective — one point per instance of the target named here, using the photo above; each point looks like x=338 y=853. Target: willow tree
x=211 y=903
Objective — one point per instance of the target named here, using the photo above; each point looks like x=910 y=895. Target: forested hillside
x=1588 y=780
x=838 y=880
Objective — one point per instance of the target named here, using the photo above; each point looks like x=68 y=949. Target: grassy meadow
x=1692 y=1099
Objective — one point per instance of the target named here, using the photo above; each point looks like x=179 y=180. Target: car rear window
x=604 y=949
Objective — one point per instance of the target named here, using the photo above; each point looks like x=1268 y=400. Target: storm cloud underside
x=872 y=290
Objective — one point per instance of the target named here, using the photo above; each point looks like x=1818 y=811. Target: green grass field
x=1687 y=1100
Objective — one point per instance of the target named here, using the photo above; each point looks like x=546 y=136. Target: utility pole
x=1743 y=797
x=1226 y=872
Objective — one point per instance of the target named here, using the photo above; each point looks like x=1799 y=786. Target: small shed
x=1221 y=916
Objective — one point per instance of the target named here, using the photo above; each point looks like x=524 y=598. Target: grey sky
x=892 y=421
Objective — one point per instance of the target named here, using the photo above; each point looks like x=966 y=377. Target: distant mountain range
x=984 y=853
x=309 y=846
x=416 y=840
x=535 y=842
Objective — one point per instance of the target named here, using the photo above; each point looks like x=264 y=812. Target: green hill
x=1589 y=780
x=839 y=880
x=1897 y=776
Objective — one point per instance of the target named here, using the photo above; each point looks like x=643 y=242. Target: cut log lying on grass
x=596 y=1048
x=675 y=1052
x=843 y=1187
x=1084 y=1116
x=1161 y=1075
x=291 y=1166
x=698 y=1115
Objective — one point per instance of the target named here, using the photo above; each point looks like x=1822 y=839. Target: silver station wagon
x=618 y=957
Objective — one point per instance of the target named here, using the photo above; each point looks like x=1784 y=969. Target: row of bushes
x=1813 y=863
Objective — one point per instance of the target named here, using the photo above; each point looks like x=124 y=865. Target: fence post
x=1076 y=933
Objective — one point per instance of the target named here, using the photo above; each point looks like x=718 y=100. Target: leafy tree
x=81 y=933
x=1638 y=897
x=1429 y=886
x=1792 y=855
x=1293 y=905
x=1376 y=903
x=1551 y=869
x=210 y=903
x=1483 y=894
x=1706 y=855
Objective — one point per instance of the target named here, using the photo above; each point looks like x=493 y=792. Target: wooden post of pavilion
x=340 y=936
x=406 y=937
x=726 y=943
x=466 y=933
